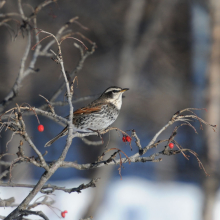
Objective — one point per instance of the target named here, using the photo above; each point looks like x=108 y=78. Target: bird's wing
x=87 y=110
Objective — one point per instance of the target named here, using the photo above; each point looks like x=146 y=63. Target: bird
x=96 y=116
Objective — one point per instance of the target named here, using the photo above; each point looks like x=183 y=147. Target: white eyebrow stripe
x=112 y=89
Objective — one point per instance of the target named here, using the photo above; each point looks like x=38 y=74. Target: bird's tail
x=61 y=134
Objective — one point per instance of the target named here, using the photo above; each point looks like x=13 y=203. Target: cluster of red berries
x=40 y=128
x=126 y=139
x=63 y=214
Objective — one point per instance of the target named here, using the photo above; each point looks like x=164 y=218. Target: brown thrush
x=98 y=115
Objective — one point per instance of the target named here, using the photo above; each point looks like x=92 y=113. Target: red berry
x=124 y=139
x=40 y=128
x=63 y=214
x=128 y=139
x=171 y=145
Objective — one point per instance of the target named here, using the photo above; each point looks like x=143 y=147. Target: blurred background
x=168 y=53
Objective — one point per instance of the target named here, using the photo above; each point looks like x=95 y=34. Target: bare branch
x=90 y=218
x=137 y=140
x=6 y=202
x=76 y=70
x=15 y=89
x=29 y=212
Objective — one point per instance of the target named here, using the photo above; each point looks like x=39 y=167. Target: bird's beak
x=124 y=90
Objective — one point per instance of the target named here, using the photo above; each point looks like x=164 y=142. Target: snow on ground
x=128 y=199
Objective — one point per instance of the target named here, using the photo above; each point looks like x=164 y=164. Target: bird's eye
x=109 y=93
x=114 y=91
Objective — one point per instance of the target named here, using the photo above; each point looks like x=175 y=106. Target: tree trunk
x=213 y=138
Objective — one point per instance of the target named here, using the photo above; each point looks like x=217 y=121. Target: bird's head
x=113 y=95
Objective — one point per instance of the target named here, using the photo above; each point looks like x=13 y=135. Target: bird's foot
x=99 y=134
